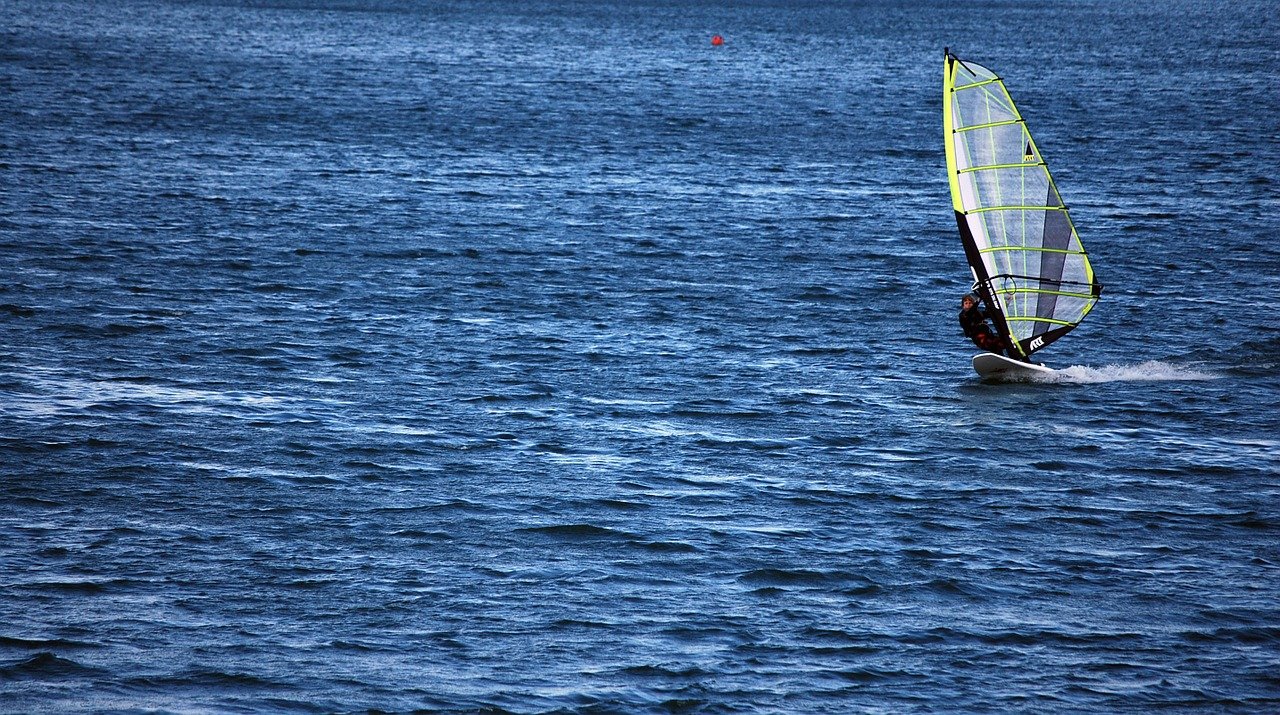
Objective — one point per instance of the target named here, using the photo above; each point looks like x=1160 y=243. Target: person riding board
x=973 y=320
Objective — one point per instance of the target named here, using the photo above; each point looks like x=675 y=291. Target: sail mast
x=981 y=279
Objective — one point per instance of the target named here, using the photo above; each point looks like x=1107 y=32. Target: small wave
x=873 y=675
x=662 y=671
x=577 y=532
x=20 y=311
x=45 y=665
x=86 y=587
x=667 y=547
x=782 y=577
x=1149 y=371
x=41 y=644
x=1252 y=635
x=581 y=623
x=211 y=678
x=356 y=646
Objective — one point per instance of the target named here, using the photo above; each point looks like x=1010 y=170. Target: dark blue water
x=533 y=357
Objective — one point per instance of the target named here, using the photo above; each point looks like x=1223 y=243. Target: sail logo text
x=1037 y=344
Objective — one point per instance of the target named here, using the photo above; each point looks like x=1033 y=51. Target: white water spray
x=1149 y=371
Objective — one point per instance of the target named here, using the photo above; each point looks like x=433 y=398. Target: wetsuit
x=974 y=323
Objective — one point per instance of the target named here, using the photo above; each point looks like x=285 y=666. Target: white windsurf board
x=998 y=367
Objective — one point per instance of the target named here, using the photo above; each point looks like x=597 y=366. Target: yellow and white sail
x=1027 y=260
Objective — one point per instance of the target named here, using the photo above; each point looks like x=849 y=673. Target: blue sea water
x=540 y=357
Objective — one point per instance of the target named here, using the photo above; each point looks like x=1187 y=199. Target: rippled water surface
x=534 y=357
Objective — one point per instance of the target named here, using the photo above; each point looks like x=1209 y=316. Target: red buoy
x=717 y=40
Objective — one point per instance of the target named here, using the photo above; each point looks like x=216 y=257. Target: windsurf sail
x=1027 y=261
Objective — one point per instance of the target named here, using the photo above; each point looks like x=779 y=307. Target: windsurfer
x=973 y=320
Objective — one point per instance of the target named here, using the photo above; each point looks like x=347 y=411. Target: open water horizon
x=540 y=357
